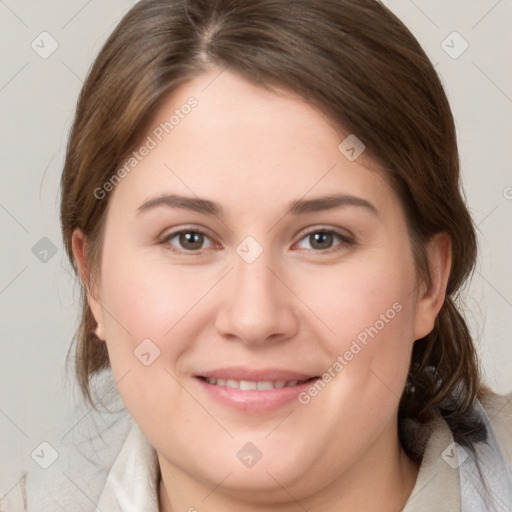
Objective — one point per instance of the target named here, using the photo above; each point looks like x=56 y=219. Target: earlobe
x=429 y=304
x=79 y=247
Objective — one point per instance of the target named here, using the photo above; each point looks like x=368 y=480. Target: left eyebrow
x=299 y=207
x=329 y=202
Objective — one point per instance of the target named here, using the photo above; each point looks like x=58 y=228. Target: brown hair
x=353 y=60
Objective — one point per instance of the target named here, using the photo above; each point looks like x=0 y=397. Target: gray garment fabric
x=437 y=486
x=454 y=479
x=486 y=480
x=450 y=479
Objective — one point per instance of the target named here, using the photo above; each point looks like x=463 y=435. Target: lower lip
x=254 y=401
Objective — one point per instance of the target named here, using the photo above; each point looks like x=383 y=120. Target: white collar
x=132 y=482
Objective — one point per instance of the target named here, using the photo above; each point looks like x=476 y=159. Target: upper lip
x=255 y=375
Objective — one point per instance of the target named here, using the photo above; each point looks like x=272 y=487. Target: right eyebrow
x=176 y=201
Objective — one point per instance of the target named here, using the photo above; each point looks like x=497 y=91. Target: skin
x=254 y=151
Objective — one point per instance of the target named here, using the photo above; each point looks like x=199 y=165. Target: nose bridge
x=254 y=280
x=257 y=305
x=255 y=286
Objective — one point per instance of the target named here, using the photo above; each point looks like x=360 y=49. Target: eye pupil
x=191 y=240
x=321 y=240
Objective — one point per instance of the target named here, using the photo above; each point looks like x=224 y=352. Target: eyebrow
x=298 y=207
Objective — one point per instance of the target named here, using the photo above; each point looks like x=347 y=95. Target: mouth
x=253 y=385
x=254 y=391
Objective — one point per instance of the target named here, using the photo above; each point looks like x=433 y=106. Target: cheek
x=369 y=307
x=364 y=295
x=154 y=316
x=148 y=299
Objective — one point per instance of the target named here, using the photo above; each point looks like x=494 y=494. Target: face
x=254 y=326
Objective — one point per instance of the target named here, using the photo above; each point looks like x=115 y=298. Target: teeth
x=265 y=384
x=248 y=385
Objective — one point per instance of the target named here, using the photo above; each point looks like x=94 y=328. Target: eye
x=324 y=240
x=194 y=240
x=187 y=240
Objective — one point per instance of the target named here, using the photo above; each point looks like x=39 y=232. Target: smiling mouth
x=254 y=391
x=249 y=385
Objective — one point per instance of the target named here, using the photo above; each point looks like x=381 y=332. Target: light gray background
x=38 y=400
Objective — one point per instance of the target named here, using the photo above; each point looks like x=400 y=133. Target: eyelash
x=345 y=240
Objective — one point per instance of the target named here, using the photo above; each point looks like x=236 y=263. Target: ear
x=431 y=299
x=79 y=247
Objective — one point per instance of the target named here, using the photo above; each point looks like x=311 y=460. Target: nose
x=257 y=307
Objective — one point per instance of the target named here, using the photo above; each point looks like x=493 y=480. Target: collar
x=132 y=482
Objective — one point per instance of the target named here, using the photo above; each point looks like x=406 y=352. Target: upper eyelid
x=344 y=238
x=338 y=231
x=186 y=229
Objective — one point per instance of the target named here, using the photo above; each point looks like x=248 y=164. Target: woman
x=262 y=200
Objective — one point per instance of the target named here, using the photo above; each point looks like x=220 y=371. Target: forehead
x=221 y=137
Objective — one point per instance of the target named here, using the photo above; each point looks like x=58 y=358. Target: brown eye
x=321 y=240
x=325 y=240
x=191 y=240
x=187 y=241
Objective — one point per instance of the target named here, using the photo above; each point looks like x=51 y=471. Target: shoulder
x=499 y=409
